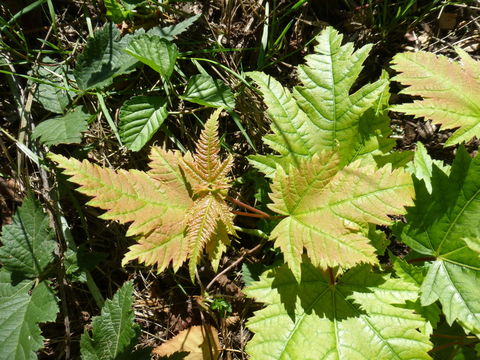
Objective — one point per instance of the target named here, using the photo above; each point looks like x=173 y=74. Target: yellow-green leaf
x=327 y=209
x=450 y=91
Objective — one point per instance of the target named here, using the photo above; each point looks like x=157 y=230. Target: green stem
x=254 y=232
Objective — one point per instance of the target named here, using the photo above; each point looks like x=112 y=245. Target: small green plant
x=335 y=193
x=176 y=209
x=334 y=176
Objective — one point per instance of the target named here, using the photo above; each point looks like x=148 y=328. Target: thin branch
x=450 y=344
x=235 y=263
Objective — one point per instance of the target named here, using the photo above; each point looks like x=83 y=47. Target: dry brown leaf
x=201 y=342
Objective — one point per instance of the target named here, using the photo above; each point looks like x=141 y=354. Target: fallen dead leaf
x=201 y=342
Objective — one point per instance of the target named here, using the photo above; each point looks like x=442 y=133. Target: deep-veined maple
x=175 y=210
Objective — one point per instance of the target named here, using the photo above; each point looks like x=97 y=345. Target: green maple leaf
x=356 y=318
x=438 y=226
x=322 y=114
x=28 y=242
x=20 y=314
x=327 y=209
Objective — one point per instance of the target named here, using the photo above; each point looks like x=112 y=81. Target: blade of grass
x=264 y=40
x=22 y=12
x=106 y=113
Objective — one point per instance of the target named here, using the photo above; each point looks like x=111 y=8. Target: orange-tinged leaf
x=450 y=91
x=165 y=167
x=201 y=342
x=155 y=209
x=327 y=209
x=204 y=218
x=159 y=248
x=170 y=222
x=216 y=247
x=205 y=169
x=128 y=196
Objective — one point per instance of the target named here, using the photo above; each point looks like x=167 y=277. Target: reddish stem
x=260 y=216
x=445 y=346
x=448 y=336
x=248 y=207
x=420 y=259
x=332 y=276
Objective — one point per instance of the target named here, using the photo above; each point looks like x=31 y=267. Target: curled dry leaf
x=201 y=343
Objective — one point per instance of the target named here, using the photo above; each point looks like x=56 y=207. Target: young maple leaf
x=450 y=91
x=171 y=224
x=327 y=209
x=323 y=113
x=207 y=175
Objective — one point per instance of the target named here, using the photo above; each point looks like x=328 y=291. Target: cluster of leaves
x=107 y=55
x=176 y=209
x=28 y=298
x=329 y=197
x=335 y=177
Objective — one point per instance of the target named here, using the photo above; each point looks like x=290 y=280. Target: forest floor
x=251 y=36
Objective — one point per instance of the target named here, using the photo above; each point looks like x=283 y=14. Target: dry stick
x=235 y=263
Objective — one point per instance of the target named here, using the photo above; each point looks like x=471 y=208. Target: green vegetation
x=232 y=180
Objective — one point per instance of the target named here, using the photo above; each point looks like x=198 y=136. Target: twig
x=242 y=213
x=235 y=263
x=447 y=345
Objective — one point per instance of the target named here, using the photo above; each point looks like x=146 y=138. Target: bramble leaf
x=28 y=242
x=205 y=90
x=20 y=314
x=114 y=331
x=103 y=58
x=53 y=97
x=172 y=31
x=438 y=226
x=152 y=50
x=327 y=209
x=116 y=12
x=358 y=317
x=450 y=91
x=65 y=129
x=140 y=118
